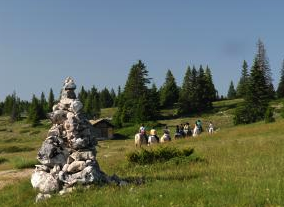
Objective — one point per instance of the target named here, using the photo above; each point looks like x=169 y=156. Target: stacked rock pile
x=68 y=154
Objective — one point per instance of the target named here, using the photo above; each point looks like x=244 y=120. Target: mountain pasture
x=236 y=166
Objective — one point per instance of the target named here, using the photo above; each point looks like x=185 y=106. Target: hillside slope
x=240 y=166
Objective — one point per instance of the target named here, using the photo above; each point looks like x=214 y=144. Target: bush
x=242 y=115
x=269 y=115
x=2 y=160
x=246 y=114
x=161 y=154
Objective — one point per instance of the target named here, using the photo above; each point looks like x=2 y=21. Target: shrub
x=161 y=154
x=246 y=114
x=269 y=115
x=2 y=160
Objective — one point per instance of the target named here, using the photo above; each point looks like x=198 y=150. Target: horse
x=140 y=139
x=196 y=131
x=178 y=136
x=211 y=130
x=165 y=138
x=152 y=139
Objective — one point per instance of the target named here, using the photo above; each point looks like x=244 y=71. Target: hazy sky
x=96 y=42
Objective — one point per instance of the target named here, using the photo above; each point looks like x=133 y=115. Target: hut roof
x=95 y=122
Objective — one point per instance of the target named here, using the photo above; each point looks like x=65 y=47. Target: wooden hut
x=103 y=129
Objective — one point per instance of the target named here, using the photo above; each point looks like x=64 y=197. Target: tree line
x=141 y=101
x=256 y=88
x=36 y=109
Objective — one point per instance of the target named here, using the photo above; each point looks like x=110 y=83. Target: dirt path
x=11 y=176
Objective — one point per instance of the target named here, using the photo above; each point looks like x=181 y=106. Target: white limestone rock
x=76 y=166
x=42 y=197
x=44 y=182
x=76 y=106
x=83 y=155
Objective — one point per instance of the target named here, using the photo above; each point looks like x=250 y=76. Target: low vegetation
x=22 y=163
x=2 y=160
x=236 y=166
x=160 y=154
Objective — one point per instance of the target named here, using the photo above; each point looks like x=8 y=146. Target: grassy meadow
x=238 y=166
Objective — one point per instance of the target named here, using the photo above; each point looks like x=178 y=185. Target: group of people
x=153 y=137
x=182 y=130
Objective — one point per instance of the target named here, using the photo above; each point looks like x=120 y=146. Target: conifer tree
x=43 y=106
x=113 y=97
x=185 y=93
x=212 y=92
x=34 y=112
x=106 y=100
x=15 y=113
x=1 y=108
x=231 y=92
x=257 y=98
x=203 y=100
x=242 y=87
x=263 y=63
x=51 y=100
x=153 y=103
x=8 y=105
x=82 y=95
x=133 y=104
x=280 y=89
x=169 y=92
x=194 y=95
x=92 y=104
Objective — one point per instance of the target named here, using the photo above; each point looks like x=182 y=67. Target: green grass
x=236 y=166
x=108 y=112
x=22 y=163
x=13 y=149
x=243 y=168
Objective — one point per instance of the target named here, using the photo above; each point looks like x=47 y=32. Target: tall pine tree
x=280 y=89
x=203 y=100
x=169 y=92
x=34 y=112
x=263 y=62
x=212 y=92
x=133 y=104
x=185 y=93
x=242 y=87
x=257 y=98
x=106 y=100
x=231 y=92
x=51 y=100
x=15 y=113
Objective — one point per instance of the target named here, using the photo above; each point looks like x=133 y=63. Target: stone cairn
x=68 y=154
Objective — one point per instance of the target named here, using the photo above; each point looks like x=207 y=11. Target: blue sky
x=96 y=42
